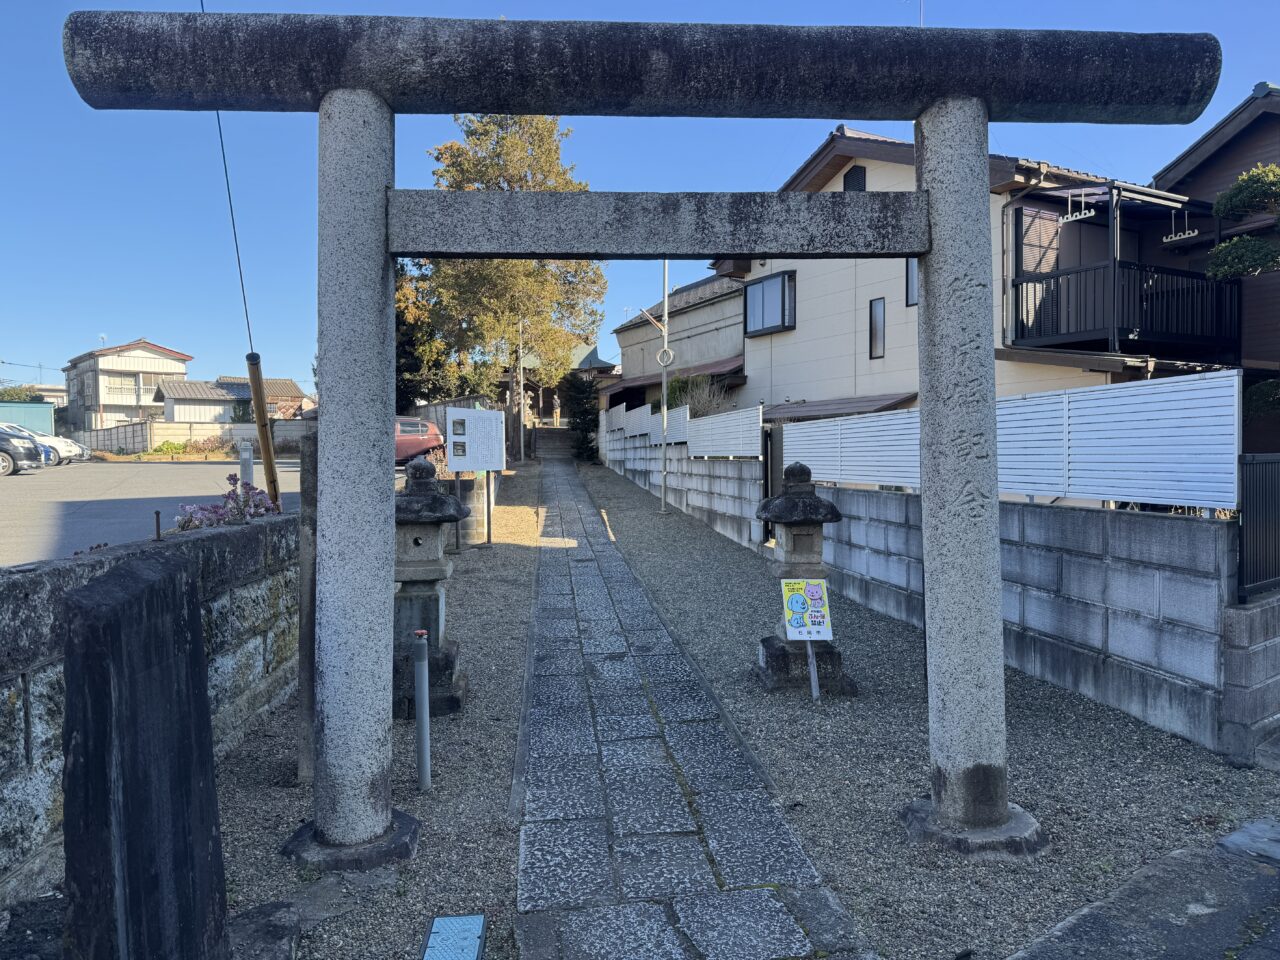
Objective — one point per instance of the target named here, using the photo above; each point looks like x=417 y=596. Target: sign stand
x=813 y=671
x=457 y=527
x=488 y=508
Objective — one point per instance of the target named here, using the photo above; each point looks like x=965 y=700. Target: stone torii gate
x=358 y=72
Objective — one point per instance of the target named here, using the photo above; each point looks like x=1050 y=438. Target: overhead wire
x=231 y=207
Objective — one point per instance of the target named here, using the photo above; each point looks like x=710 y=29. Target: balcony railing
x=1153 y=304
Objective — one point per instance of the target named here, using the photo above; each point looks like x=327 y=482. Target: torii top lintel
x=229 y=61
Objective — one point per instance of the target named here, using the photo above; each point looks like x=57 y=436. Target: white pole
x=665 y=320
x=246 y=461
x=520 y=380
x=422 y=707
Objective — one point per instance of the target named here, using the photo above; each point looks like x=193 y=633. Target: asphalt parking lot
x=50 y=513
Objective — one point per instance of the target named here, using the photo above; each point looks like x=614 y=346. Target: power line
x=231 y=207
x=31 y=366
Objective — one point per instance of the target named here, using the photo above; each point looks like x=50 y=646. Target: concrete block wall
x=723 y=494
x=1250 y=675
x=1127 y=608
x=249 y=616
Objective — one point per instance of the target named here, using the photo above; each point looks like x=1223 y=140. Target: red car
x=414 y=437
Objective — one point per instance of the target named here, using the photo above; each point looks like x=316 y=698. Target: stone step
x=1189 y=905
x=1267 y=754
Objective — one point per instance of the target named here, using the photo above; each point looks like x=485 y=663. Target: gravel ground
x=1112 y=792
x=466 y=859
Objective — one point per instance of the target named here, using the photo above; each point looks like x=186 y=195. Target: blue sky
x=115 y=223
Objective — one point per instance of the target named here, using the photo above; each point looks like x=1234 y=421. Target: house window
x=877 y=328
x=769 y=304
x=1038 y=241
x=913 y=281
x=855 y=179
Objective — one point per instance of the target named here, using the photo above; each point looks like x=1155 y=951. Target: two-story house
x=1095 y=281
x=114 y=385
x=1247 y=136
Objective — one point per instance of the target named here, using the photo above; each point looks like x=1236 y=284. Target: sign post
x=806 y=615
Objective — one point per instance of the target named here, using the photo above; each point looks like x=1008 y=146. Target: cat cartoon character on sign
x=813 y=591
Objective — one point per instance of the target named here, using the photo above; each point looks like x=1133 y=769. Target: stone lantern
x=798 y=515
x=422 y=510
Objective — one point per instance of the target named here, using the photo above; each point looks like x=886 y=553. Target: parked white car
x=66 y=450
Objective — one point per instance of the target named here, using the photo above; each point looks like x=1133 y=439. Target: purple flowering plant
x=239 y=504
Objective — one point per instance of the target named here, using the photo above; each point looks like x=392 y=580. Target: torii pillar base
x=1018 y=838
x=400 y=842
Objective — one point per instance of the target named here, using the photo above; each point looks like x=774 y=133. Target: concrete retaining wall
x=1134 y=610
x=723 y=494
x=249 y=611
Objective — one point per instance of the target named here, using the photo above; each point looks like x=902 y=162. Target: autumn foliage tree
x=461 y=322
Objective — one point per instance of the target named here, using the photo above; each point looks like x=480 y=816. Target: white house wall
x=827 y=355
x=137 y=361
x=196 y=411
x=710 y=331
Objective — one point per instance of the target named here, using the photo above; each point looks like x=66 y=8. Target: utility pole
x=665 y=357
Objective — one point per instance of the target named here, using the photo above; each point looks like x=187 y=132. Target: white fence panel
x=636 y=421
x=1174 y=441
x=816 y=444
x=613 y=418
x=879 y=448
x=888 y=446
x=677 y=426
x=1030 y=437
x=732 y=434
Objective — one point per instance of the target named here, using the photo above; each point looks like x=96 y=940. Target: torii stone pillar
x=355 y=505
x=964 y=628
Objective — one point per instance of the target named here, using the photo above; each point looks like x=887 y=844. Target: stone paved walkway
x=647 y=830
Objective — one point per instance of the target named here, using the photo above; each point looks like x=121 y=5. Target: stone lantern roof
x=798 y=503
x=422 y=501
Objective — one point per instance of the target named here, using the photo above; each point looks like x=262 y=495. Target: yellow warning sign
x=805 y=609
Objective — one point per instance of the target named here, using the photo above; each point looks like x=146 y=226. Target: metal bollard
x=422 y=707
x=246 y=461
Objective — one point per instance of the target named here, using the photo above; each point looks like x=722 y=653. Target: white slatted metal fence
x=635 y=422
x=1174 y=441
x=732 y=434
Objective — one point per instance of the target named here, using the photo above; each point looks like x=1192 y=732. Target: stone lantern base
x=785 y=663
x=447 y=685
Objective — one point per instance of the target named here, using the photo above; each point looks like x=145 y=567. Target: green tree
x=584 y=415
x=1256 y=191
x=17 y=393
x=242 y=411
x=460 y=322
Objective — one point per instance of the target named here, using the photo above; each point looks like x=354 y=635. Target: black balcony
x=1159 y=311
